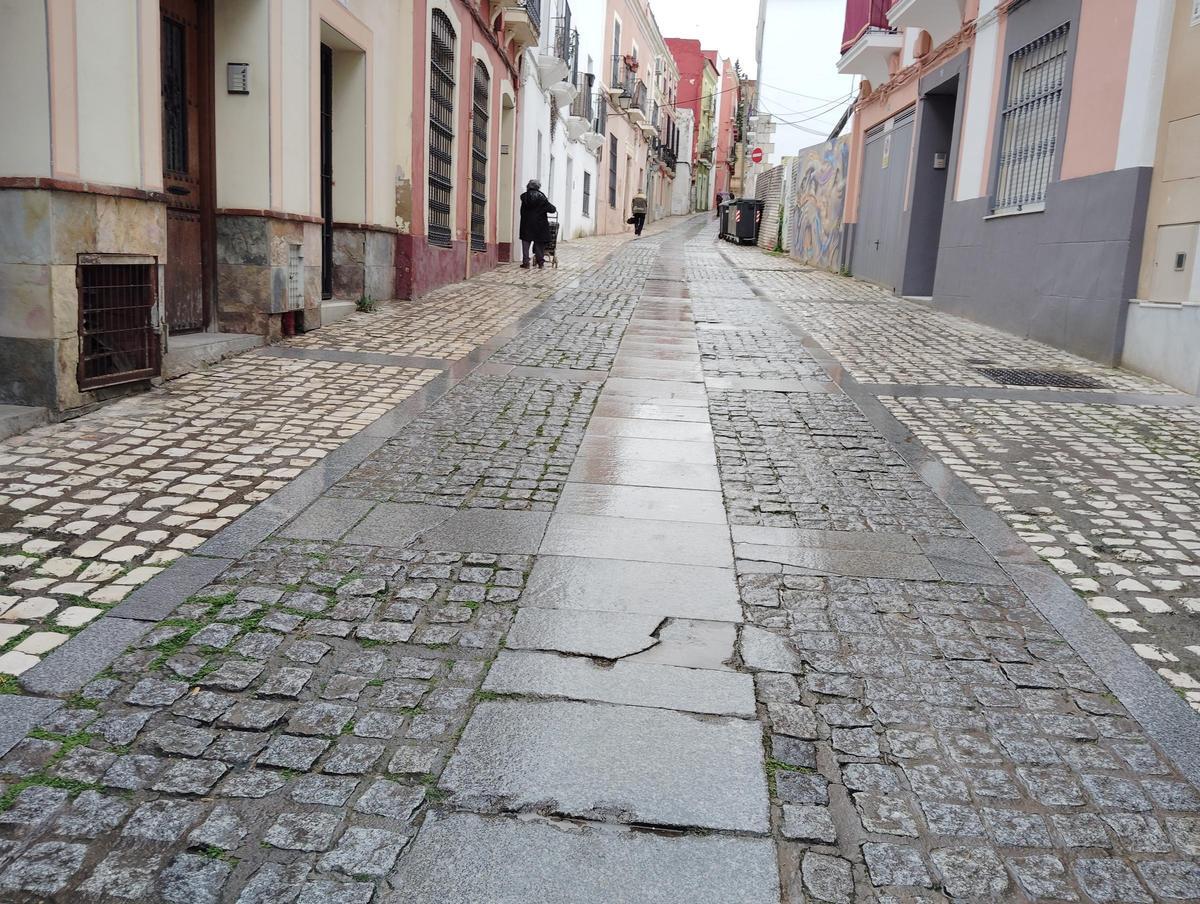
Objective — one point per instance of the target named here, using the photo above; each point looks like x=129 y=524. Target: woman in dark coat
x=535 y=227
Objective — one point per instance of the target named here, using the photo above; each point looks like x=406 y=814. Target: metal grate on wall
x=1030 y=120
x=295 y=277
x=479 y=156
x=441 y=127
x=118 y=331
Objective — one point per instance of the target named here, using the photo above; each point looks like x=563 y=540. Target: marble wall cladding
x=252 y=265
x=363 y=264
x=42 y=233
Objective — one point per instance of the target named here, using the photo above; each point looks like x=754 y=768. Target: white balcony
x=637 y=116
x=562 y=93
x=593 y=141
x=551 y=70
x=941 y=18
x=577 y=127
x=869 y=56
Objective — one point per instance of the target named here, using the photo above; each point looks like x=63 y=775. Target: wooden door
x=186 y=121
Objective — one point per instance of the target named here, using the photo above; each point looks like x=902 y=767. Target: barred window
x=479 y=157
x=1029 y=120
x=612 y=170
x=587 y=194
x=441 y=127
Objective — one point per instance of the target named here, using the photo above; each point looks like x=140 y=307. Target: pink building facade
x=1001 y=155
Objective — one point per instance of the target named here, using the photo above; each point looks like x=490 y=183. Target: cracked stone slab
x=608 y=635
x=624 y=682
x=693 y=644
x=514 y=533
x=867 y=541
x=464 y=857
x=397 y=523
x=327 y=519
x=609 y=585
x=846 y=562
x=587 y=759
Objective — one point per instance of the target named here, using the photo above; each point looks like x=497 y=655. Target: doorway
x=568 y=206
x=508 y=175
x=878 y=254
x=187 y=117
x=934 y=155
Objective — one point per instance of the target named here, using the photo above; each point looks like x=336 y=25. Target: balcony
x=624 y=74
x=941 y=18
x=522 y=20
x=584 y=105
x=869 y=55
x=637 y=107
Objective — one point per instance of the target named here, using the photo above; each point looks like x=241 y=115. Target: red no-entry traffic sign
x=756 y=155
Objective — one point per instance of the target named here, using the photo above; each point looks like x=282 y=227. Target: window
x=479 y=156
x=441 y=127
x=1029 y=121
x=612 y=170
x=587 y=194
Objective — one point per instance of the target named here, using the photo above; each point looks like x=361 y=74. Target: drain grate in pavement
x=1019 y=376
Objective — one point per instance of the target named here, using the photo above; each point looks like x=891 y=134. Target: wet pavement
x=657 y=603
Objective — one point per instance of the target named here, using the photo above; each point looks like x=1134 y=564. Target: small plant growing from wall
x=366 y=304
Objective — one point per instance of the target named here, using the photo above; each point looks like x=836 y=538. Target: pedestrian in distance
x=638 y=207
x=535 y=223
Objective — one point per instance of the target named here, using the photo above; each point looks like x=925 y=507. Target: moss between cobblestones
x=43 y=778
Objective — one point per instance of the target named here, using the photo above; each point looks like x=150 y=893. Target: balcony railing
x=624 y=75
x=563 y=41
x=583 y=105
x=533 y=8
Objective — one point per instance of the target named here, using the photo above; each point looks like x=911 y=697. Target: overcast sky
x=801 y=84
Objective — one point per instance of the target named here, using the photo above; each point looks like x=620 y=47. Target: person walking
x=638 y=207
x=535 y=223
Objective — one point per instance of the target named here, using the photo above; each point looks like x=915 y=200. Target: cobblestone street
x=681 y=573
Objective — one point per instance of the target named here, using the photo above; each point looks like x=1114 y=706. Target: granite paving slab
x=593 y=760
x=638 y=540
x=616 y=471
x=649 y=429
x=655 y=503
x=326 y=519
x=693 y=644
x=611 y=585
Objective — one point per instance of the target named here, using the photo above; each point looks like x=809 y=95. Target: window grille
x=612 y=170
x=587 y=194
x=1030 y=120
x=295 y=276
x=479 y=158
x=174 y=97
x=118 y=340
x=441 y=127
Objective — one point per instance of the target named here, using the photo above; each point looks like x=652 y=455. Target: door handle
x=877 y=244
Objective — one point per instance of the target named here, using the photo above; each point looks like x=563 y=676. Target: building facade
x=198 y=174
x=1162 y=333
x=698 y=86
x=557 y=143
x=728 y=129
x=1001 y=157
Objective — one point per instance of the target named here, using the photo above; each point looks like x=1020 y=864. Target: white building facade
x=556 y=137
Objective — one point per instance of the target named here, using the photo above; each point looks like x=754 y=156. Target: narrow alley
x=658 y=586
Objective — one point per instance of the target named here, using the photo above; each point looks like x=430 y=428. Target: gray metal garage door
x=878 y=253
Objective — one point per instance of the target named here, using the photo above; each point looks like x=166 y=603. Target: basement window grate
x=1058 y=379
x=295 y=277
x=118 y=334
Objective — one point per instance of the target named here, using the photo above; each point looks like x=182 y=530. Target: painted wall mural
x=818 y=201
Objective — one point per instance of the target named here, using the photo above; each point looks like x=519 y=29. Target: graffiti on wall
x=818 y=200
